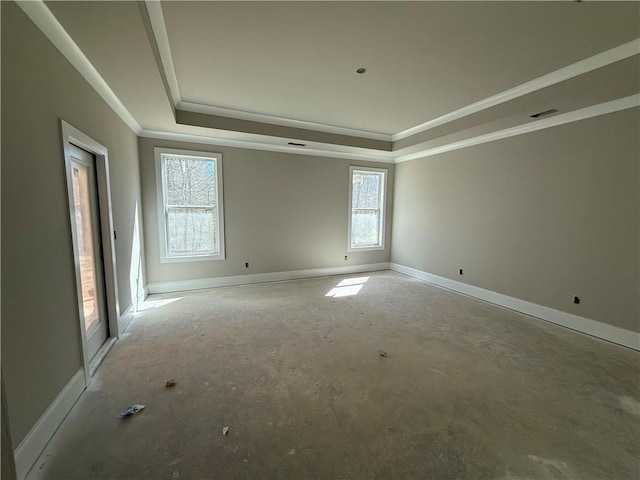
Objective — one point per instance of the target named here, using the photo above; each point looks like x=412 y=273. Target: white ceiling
x=423 y=59
x=293 y=64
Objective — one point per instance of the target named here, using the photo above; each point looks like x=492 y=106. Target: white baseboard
x=33 y=444
x=102 y=353
x=183 y=285
x=618 y=335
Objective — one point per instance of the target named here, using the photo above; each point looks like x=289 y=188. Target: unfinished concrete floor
x=467 y=390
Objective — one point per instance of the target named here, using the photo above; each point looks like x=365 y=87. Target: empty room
x=320 y=240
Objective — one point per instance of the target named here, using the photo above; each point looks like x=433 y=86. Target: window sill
x=365 y=249
x=193 y=258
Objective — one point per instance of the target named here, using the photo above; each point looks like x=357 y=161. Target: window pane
x=365 y=228
x=192 y=231
x=366 y=190
x=190 y=181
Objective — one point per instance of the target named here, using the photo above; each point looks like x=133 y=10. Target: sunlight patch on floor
x=151 y=304
x=347 y=287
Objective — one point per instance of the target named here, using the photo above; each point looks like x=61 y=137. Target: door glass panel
x=81 y=176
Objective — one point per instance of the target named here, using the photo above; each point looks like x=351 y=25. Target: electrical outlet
x=246 y=264
x=576 y=300
x=345 y=257
x=460 y=272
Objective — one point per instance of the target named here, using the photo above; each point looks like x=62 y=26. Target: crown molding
x=581 y=114
x=581 y=67
x=42 y=17
x=282 y=121
x=226 y=142
x=159 y=28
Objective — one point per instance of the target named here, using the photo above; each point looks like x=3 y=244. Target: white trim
x=613 y=334
x=159 y=28
x=226 y=142
x=70 y=134
x=197 y=284
x=42 y=17
x=581 y=67
x=40 y=14
x=101 y=354
x=582 y=114
x=36 y=440
x=159 y=153
x=282 y=121
x=383 y=208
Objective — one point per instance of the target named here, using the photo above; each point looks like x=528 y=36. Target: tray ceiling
x=266 y=73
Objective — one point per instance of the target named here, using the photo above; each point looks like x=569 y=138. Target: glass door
x=87 y=220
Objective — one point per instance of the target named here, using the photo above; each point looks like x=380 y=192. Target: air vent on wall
x=298 y=144
x=544 y=114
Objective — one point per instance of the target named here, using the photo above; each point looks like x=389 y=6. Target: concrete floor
x=467 y=390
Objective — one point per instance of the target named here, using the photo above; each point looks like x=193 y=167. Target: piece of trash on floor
x=225 y=430
x=170 y=383
x=132 y=410
x=382 y=353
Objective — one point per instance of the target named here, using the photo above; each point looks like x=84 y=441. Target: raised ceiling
x=266 y=73
x=423 y=59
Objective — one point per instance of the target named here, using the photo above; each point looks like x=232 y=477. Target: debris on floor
x=132 y=410
x=170 y=383
x=382 y=353
x=225 y=430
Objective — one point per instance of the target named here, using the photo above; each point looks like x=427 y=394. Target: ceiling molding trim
x=282 y=121
x=582 y=114
x=42 y=17
x=159 y=28
x=225 y=142
x=581 y=67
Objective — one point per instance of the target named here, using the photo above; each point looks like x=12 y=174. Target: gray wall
x=282 y=212
x=540 y=217
x=40 y=326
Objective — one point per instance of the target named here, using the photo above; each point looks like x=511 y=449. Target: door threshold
x=100 y=355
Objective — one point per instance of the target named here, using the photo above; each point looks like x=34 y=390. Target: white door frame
x=71 y=134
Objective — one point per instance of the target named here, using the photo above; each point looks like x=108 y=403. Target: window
x=366 y=208
x=190 y=211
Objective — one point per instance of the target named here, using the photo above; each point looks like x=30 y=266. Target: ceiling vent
x=544 y=114
x=298 y=144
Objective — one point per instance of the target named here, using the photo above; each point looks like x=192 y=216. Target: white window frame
x=383 y=207
x=162 y=205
